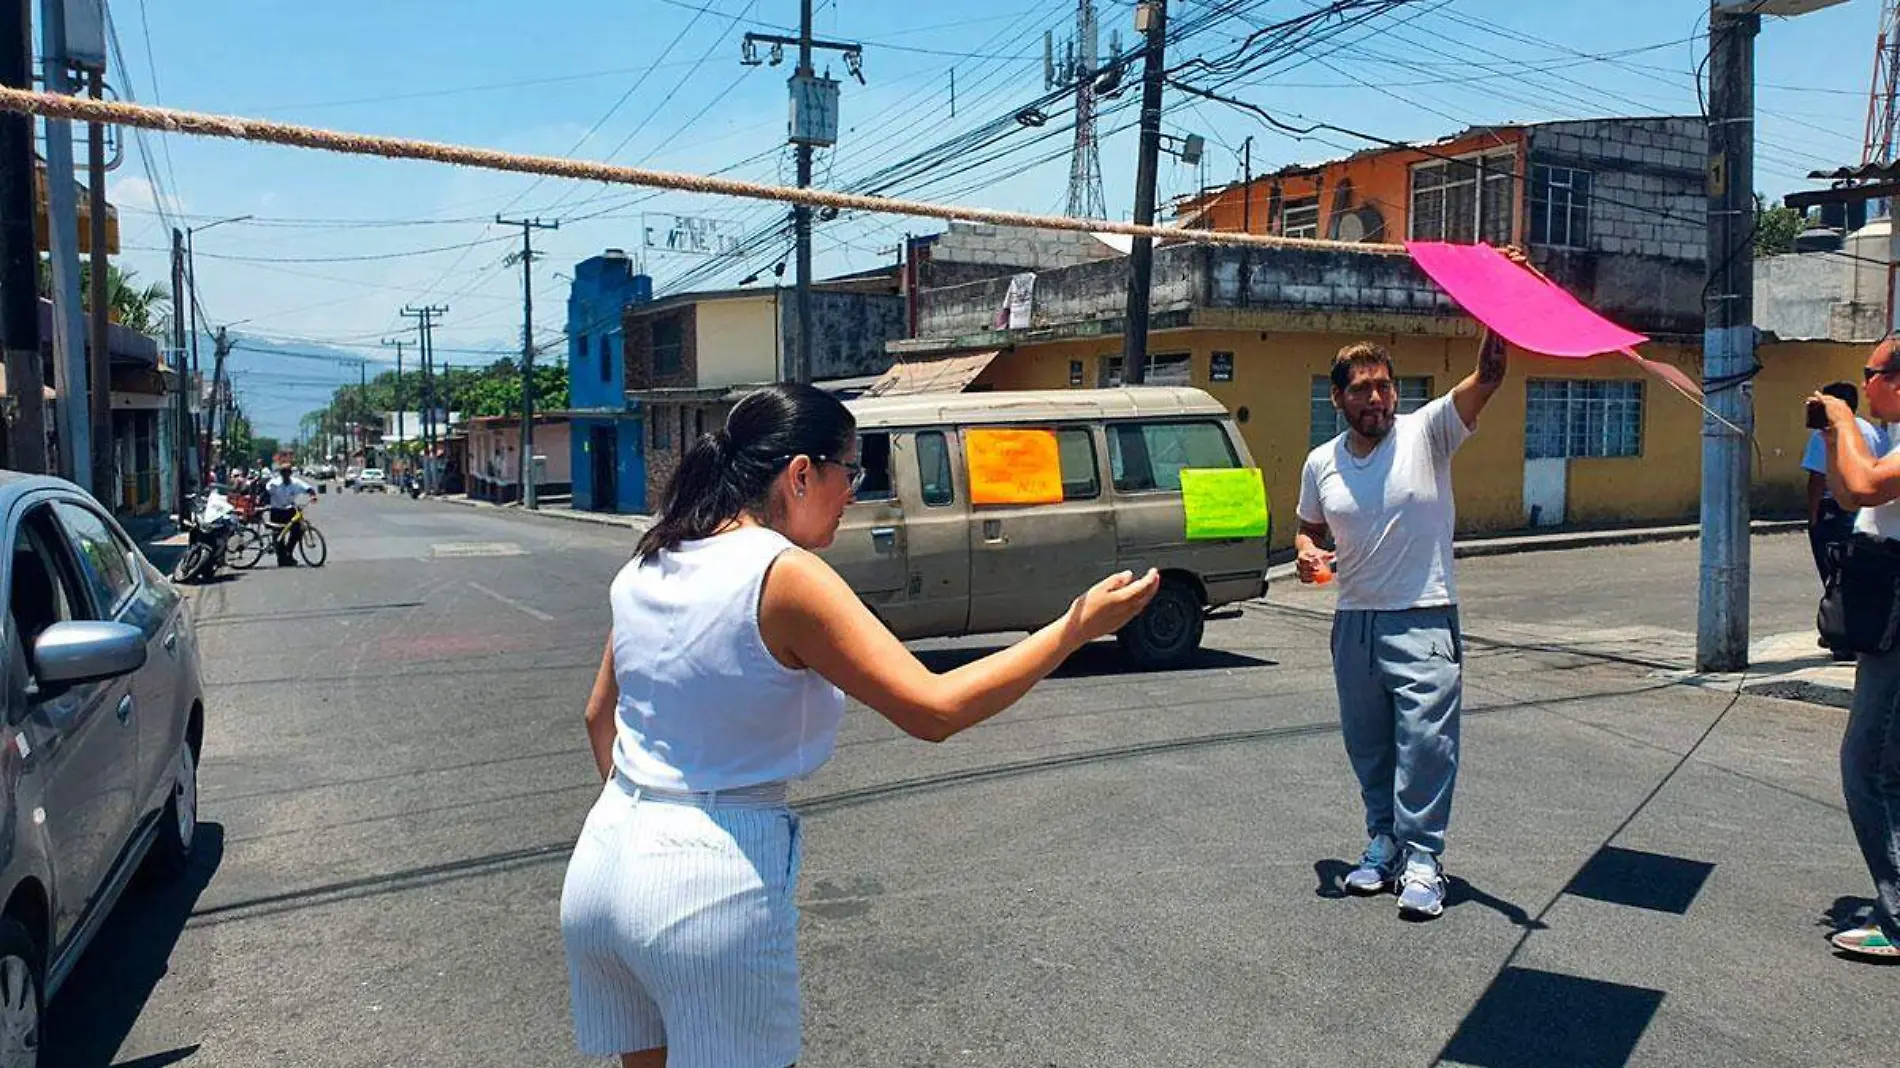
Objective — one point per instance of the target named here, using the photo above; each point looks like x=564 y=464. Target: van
x=931 y=564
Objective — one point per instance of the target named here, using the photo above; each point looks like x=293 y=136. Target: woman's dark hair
x=729 y=472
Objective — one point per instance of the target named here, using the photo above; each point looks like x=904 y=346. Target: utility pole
x=103 y=465
x=425 y=327
x=1151 y=19
x=397 y=344
x=814 y=124
x=62 y=230
x=181 y=431
x=19 y=251
x=529 y=498
x=221 y=392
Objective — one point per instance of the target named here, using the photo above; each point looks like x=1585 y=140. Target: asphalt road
x=1125 y=870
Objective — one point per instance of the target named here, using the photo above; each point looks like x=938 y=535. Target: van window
x=1081 y=479
x=933 y=469
x=874 y=452
x=1151 y=456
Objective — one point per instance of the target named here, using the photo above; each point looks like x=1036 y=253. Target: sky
x=336 y=246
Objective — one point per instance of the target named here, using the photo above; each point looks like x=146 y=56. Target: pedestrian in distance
x=725 y=676
x=1870 y=748
x=1829 y=524
x=1381 y=493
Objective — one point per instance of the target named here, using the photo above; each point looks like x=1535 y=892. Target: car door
x=936 y=600
x=1028 y=562
x=119 y=577
x=81 y=739
x=869 y=549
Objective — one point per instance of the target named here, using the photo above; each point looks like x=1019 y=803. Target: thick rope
x=199 y=124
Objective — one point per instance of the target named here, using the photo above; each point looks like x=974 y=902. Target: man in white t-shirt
x=1381 y=492
x=1828 y=523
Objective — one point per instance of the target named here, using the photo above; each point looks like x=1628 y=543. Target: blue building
x=609 y=457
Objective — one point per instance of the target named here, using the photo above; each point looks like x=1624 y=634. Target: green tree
x=137 y=307
x=1776 y=227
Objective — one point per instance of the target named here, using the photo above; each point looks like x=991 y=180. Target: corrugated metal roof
x=945 y=374
x=1885 y=172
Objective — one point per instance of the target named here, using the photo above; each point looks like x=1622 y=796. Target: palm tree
x=139 y=308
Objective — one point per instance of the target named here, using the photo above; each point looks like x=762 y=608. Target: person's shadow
x=101 y=1000
x=1331 y=875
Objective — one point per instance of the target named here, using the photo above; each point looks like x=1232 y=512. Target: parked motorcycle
x=210 y=524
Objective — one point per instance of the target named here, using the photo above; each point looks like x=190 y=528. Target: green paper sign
x=1224 y=503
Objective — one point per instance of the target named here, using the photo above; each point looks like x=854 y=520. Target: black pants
x=1833 y=527
x=286 y=540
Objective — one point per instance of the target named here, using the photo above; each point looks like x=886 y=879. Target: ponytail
x=729 y=472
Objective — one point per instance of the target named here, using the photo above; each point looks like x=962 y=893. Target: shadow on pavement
x=102 y=999
x=160 y=1060
x=1528 y=1017
x=1095 y=660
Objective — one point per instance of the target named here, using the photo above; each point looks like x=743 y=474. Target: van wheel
x=1168 y=633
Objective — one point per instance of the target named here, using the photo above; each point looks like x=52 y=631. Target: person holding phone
x=725 y=676
x=1829 y=524
x=1381 y=492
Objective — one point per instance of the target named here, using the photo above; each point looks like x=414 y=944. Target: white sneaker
x=1377 y=867
x=1422 y=887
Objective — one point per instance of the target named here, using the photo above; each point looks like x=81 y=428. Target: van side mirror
x=68 y=654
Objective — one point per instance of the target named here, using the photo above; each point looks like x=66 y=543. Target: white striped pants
x=681 y=928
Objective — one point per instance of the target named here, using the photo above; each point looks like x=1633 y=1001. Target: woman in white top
x=721 y=682
x=1870 y=747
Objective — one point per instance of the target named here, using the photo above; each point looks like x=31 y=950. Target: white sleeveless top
x=1881 y=521
x=704 y=705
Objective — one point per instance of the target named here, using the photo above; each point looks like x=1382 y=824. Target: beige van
x=932 y=565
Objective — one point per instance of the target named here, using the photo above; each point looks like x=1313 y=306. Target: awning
x=944 y=374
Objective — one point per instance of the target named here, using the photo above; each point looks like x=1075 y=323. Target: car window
x=1081 y=478
x=874 y=452
x=1151 y=456
x=933 y=469
x=42 y=589
x=105 y=561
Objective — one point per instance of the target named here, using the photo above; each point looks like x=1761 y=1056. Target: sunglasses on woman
x=852 y=469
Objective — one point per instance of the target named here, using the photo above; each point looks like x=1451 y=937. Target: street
x=1125 y=870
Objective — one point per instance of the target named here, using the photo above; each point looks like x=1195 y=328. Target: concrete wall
x=664 y=450
x=973 y=252
x=1271 y=399
x=1643 y=263
x=1093 y=291
x=629 y=461
x=737 y=341
x=852 y=331
x=603 y=287
x=1811 y=296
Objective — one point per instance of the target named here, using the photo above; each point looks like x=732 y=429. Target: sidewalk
x=562 y=511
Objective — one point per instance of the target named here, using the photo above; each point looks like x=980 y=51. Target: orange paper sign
x=1013 y=466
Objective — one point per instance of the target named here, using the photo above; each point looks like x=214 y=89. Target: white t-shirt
x=287 y=494
x=1814 y=460
x=1391 y=513
x=1883 y=520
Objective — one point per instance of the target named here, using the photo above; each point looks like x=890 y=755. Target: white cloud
x=137 y=194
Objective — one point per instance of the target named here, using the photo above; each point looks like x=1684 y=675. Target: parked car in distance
x=372 y=479
x=932 y=564
x=103 y=728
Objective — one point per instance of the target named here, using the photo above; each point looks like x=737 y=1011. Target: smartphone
x=1817 y=415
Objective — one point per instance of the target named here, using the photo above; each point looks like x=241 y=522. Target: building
x=1603 y=208
x=1833 y=287
x=607 y=429
x=143 y=401
x=492 y=455
x=690 y=357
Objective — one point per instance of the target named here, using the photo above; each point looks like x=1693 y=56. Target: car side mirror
x=68 y=654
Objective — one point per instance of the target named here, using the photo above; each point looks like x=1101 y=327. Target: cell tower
x=1077 y=68
x=1883 y=99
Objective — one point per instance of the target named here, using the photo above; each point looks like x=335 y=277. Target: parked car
x=372 y=479
x=103 y=727
x=931 y=564
x=350 y=475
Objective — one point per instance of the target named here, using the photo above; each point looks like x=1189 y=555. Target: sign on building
x=687 y=235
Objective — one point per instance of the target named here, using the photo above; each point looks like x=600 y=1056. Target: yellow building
x=1567 y=442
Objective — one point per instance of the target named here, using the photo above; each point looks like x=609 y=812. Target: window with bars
x=1329 y=422
x=1560 y=207
x=1168 y=369
x=1300 y=218
x=1564 y=419
x=1465 y=200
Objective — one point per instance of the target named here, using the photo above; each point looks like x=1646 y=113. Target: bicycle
x=310 y=543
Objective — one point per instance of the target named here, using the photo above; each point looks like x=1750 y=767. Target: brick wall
x=664 y=460
x=638 y=329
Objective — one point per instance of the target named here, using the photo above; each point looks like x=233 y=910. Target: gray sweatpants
x=1401 y=685
x=1870 y=779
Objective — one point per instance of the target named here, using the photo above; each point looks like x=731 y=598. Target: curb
x=594 y=518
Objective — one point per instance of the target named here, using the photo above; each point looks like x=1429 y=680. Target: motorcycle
x=210 y=525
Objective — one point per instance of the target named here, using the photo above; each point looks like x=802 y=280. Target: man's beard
x=1373 y=425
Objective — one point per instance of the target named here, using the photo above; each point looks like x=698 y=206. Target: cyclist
x=284 y=495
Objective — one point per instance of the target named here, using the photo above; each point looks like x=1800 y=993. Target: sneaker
x=1422 y=887
x=1868 y=942
x=1377 y=867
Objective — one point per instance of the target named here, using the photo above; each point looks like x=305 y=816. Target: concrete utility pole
x=1728 y=341
x=181 y=432
x=19 y=252
x=191 y=281
x=1151 y=18
x=221 y=395
x=397 y=344
x=425 y=318
x=104 y=463
x=62 y=229
x=814 y=124
x=529 y=498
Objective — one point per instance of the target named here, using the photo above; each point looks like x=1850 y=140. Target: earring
x=799 y=492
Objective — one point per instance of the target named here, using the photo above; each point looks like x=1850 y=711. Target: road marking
x=477 y=548
x=512 y=603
